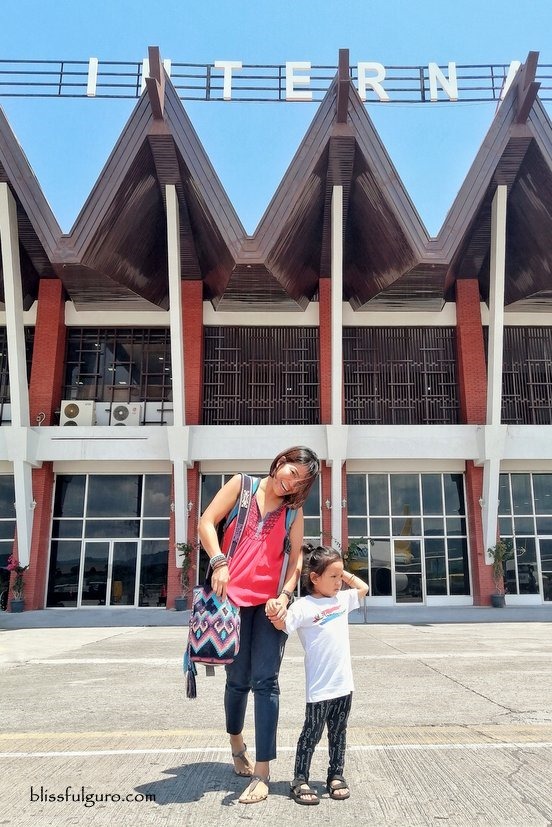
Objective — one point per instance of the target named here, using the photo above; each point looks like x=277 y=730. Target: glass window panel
x=380 y=568
x=67 y=528
x=521 y=493
x=454 y=493
x=526 y=551
x=7 y=496
x=356 y=494
x=114 y=496
x=433 y=526
x=406 y=526
x=210 y=484
x=544 y=525
x=378 y=496
x=436 y=572
x=153 y=573
x=5 y=551
x=456 y=525
x=524 y=525
x=311 y=508
x=542 y=487
x=157 y=492
x=459 y=581
x=357 y=559
x=112 y=528
x=69 y=499
x=7 y=529
x=505 y=505
x=312 y=529
x=432 y=494
x=379 y=527
x=155 y=528
x=64 y=573
x=546 y=554
x=505 y=526
x=405 y=494
x=357 y=528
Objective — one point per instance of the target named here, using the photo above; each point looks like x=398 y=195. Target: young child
x=321 y=621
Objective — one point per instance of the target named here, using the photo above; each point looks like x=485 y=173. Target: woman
x=251 y=581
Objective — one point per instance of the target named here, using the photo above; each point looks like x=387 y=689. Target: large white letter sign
x=512 y=71
x=92 y=77
x=292 y=80
x=371 y=81
x=449 y=84
x=227 y=66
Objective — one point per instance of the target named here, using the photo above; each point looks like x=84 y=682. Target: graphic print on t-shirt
x=332 y=613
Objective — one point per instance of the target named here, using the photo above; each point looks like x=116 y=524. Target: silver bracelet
x=217 y=560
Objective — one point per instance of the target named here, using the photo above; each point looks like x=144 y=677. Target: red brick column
x=192 y=319
x=472 y=385
x=44 y=398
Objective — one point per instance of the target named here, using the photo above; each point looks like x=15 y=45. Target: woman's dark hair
x=298 y=455
x=316 y=561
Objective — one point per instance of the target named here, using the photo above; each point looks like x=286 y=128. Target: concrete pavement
x=451 y=724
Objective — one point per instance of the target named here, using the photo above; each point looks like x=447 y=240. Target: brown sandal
x=244 y=759
x=256 y=791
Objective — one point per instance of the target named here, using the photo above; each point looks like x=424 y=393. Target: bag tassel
x=191 y=672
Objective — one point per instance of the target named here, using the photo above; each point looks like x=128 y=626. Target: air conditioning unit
x=126 y=413
x=78 y=412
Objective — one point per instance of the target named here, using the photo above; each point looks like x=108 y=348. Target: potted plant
x=502 y=551
x=17 y=603
x=186 y=551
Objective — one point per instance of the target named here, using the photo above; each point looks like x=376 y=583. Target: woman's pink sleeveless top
x=256 y=564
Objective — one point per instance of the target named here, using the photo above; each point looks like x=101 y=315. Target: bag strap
x=291 y=514
x=246 y=497
x=240 y=510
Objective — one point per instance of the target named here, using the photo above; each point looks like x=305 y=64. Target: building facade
x=157 y=349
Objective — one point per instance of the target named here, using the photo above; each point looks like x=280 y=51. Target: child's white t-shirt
x=322 y=624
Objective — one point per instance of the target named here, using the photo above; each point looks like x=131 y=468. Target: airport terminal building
x=158 y=348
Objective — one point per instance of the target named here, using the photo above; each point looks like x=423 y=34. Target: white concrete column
x=496 y=305
x=491 y=466
x=24 y=507
x=336 y=460
x=17 y=363
x=179 y=436
x=175 y=301
x=17 y=366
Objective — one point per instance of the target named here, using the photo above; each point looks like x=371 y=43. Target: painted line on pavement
x=223 y=750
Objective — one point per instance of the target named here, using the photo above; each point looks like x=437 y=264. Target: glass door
x=545 y=549
x=95 y=573
x=109 y=573
x=408 y=573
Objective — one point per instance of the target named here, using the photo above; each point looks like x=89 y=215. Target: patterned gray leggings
x=334 y=713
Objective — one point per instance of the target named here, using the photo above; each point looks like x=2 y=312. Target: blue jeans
x=256 y=668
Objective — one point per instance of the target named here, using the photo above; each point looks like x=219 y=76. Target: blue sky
x=67 y=141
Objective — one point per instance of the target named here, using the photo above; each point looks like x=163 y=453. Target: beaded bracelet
x=218 y=560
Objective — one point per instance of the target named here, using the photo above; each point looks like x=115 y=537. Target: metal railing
x=249 y=83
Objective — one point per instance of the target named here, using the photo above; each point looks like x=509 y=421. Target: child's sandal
x=302 y=793
x=335 y=784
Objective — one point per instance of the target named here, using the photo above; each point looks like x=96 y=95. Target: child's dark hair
x=315 y=561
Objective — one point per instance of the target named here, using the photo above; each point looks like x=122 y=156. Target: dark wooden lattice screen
x=261 y=376
x=400 y=375
x=527 y=376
